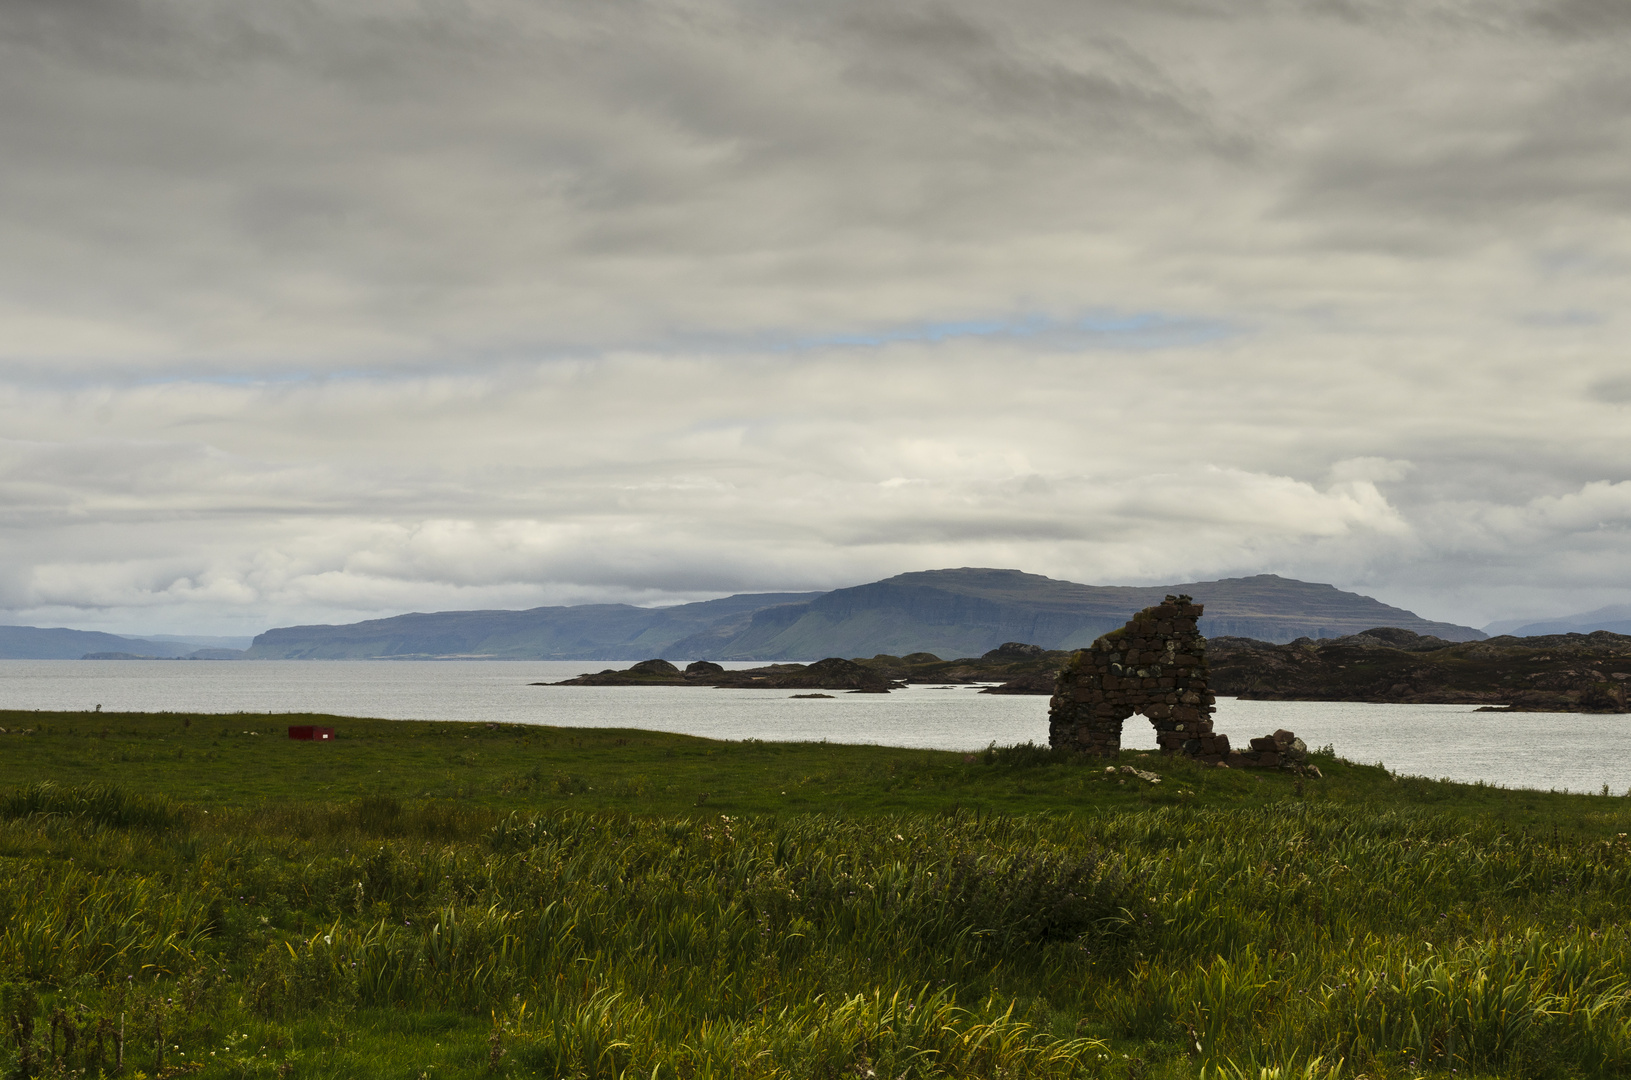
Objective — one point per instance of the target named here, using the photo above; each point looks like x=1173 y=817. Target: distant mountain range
x=56 y=643
x=584 y=632
x=952 y=613
x=1615 y=619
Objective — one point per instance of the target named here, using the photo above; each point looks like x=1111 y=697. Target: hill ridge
x=962 y=611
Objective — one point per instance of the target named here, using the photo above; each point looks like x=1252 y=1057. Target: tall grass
x=1292 y=940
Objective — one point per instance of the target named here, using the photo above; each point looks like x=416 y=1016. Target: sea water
x=1567 y=751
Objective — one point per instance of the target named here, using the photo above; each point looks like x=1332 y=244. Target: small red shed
x=310 y=732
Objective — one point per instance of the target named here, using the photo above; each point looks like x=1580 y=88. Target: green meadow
x=191 y=895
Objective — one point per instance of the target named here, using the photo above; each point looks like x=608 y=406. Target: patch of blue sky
x=1149 y=330
x=1098 y=330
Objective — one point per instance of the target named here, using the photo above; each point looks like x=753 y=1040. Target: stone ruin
x=1155 y=665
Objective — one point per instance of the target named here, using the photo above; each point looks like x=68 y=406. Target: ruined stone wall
x=1155 y=665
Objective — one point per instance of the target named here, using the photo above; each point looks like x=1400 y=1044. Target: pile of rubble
x=1278 y=751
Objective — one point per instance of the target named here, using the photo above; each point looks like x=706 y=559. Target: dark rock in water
x=645 y=673
x=827 y=696
x=833 y=673
x=661 y=668
x=830 y=674
x=1022 y=671
x=1036 y=683
x=1014 y=650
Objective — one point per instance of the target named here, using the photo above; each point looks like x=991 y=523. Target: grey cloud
x=1616 y=391
x=1105 y=88
x=1591 y=19
x=318 y=311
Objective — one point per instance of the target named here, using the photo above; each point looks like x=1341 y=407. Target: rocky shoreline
x=1014 y=668
x=1555 y=673
x=833 y=673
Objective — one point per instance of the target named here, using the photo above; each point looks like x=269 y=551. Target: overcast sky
x=324 y=310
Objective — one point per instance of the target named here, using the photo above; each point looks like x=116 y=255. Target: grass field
x=201 y=896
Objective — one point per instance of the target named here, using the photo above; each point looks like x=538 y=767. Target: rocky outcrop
x=1557 y=673
x=834 y=673
x=645 y=673
x=661 y=669
x=1015 y=650
x=1018 y=667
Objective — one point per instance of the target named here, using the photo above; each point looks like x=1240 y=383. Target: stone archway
x=1155 y=665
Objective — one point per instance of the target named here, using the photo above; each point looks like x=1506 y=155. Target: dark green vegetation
x=445 y=900
x=1561 y=672
x=964 y=612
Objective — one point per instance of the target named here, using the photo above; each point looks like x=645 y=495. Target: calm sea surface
x=1539 y=750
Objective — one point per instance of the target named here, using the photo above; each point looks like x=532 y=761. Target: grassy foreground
x=203 y=897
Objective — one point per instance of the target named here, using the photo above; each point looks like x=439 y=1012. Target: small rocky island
x=1013 y=668
x=832 y=673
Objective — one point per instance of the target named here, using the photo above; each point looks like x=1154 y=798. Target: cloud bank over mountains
x=326 y=311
